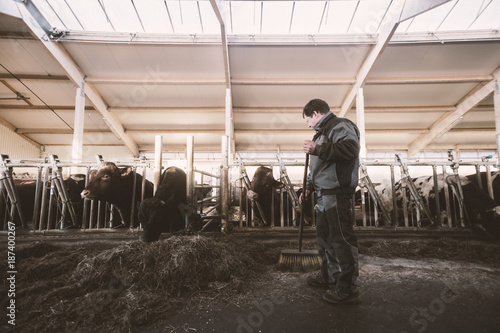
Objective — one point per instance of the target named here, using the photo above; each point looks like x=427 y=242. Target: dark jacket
x=334 y=163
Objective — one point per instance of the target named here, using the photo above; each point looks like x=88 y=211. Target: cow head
x=263 y=183
x=105 y=181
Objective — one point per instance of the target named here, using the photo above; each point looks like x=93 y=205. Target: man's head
x=314 y=110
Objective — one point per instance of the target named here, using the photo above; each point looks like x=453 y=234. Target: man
x=333 y=174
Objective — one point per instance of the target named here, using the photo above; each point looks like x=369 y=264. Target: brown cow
x=115 y=185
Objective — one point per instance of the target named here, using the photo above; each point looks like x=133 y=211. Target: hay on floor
x=128 y=286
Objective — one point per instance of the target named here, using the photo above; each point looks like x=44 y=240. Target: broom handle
x=304 y=181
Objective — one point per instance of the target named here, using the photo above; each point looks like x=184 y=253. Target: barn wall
x=15 y=146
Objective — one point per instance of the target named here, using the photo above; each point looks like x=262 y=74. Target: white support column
x=158 y=161
x=189 y=169
x=360 y=118
x=496 y=102
x=224 y=183
x=229 y=126
x=77 y=146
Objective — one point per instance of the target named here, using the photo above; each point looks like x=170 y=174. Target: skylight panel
x=49 y=11
x=337 y=17
x=276 y=17
x=306 y=17
x=185 y=17
x=90 y=14
x=430 y=20
x=122 y=15
x=154 y=16
x=368 y=16
x=461 y=16
x=243 y=17
x=489 y=18
x=210 y=23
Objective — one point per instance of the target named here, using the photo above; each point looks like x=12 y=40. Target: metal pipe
x=51 y=202
x=38 y=194
x=447 y=197
x=225 y=183
x=132 y=206
x=158 y=161
x=189 y=170
x=436 y=193
x=85 y=215
x=45 y=194
x=394 y=200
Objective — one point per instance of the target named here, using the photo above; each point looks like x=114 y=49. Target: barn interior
x=217 y=88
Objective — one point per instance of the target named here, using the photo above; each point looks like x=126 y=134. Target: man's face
x=313 y=119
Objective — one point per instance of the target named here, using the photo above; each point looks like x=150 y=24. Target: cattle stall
x=207 y=197
x=50 y=197
x=451 y=194
x=283 y=209
x=387 y=196
x=45 y=194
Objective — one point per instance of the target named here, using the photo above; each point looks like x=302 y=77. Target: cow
x=115 y=185
x=490 y=223
x=26 y=189
x=495 y=181
x=478 y=205
x=263 y=190
x=167 y=210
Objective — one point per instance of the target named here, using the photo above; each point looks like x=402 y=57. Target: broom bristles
x=303 y=260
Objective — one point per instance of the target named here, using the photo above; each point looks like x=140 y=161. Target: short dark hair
x=317 y=105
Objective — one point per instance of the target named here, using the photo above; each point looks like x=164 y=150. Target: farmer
x=333 y=174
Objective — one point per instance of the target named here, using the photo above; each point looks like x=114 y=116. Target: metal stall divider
x=63 y=194
x=11 y=191
x=421 y=206
x=367 y=183
x=246 y=182
x=205 y=215
x=292 y=196
x=457 y=187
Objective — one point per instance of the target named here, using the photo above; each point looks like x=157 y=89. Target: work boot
x=336 y=296
x=317 y=280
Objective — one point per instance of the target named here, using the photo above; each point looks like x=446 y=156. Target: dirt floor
x=416 y=281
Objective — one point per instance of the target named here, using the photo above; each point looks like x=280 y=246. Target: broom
x=306 y=260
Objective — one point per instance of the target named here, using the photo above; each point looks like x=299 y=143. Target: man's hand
x=309 y=146
x=302 y=194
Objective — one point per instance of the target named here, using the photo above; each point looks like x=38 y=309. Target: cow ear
x=124 y=172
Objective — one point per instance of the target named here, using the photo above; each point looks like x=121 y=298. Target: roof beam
x=225 y=51
x=276 y=147
x=229 y=122
x=450 y=119
x=23 y=131
x=398 y=11
x=42 y=107
x=257 y=81
x=387 y=28
x=56 y=131
x=347 y=40
x=378 y=109
x=75 y=74
x=34 y=77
